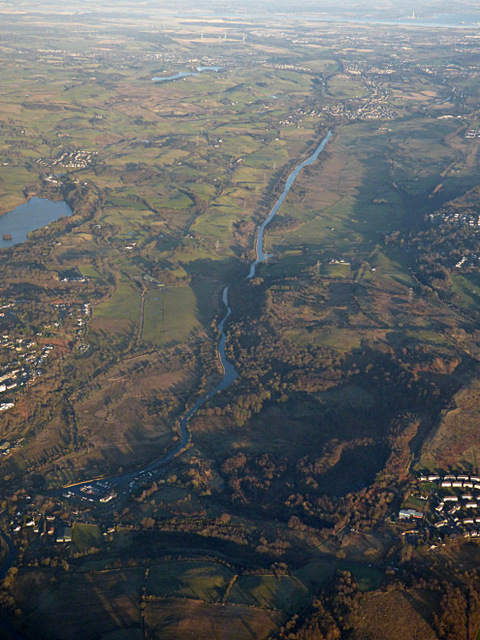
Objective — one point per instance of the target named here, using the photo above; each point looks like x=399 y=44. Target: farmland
x=284 y=507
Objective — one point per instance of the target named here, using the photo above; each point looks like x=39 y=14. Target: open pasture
x=346 y=87
x=206 y=581
x=124 y=304
x=182 y=619
x=170 y=315
x=85 y=536
x=86 y=605
x=283 y=593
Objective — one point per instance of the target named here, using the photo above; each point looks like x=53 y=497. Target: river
x=261 y=255
x=230 y=374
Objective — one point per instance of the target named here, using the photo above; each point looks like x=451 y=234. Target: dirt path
x=142 y=314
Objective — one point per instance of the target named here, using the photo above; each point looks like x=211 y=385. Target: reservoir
x=185 y=74
x=34 y=214
x=177 y=76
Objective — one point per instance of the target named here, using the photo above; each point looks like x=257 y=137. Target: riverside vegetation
x=356 y=343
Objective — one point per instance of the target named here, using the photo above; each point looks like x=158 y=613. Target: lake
x=185 y=74
x=36 y=213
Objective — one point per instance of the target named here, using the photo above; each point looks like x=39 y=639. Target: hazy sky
x=464 y=10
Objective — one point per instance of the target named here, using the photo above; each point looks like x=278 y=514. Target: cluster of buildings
x=466 y=217
x=289 y=67
x=50 y=527
x=47 y=527
x=78 y=159
x=456 y=506
x=360 y=67
x=71 y=313
x=374 y=109
x=311 y=113
x=98 y=491
x=472 y=133
x=452 y=506
x=25 y=361
x=29 y=519
x=6 y=446
x=467 y=262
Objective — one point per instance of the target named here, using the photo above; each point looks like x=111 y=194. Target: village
x=78 y=159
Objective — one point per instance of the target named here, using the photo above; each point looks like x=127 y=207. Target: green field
x=124 y=304
x=89 y=271
x=284 y=593
x=346 y=87
x=87 y=605
x=171 y=315
x=368 y=578
x=85 y=536
x=201 y=580
x=184 y=619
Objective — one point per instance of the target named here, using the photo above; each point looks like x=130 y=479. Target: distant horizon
x=427 y=13
x=422 y=10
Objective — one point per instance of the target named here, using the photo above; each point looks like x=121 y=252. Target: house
x=111 y=496
x=405 y=514
x=64 y=534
